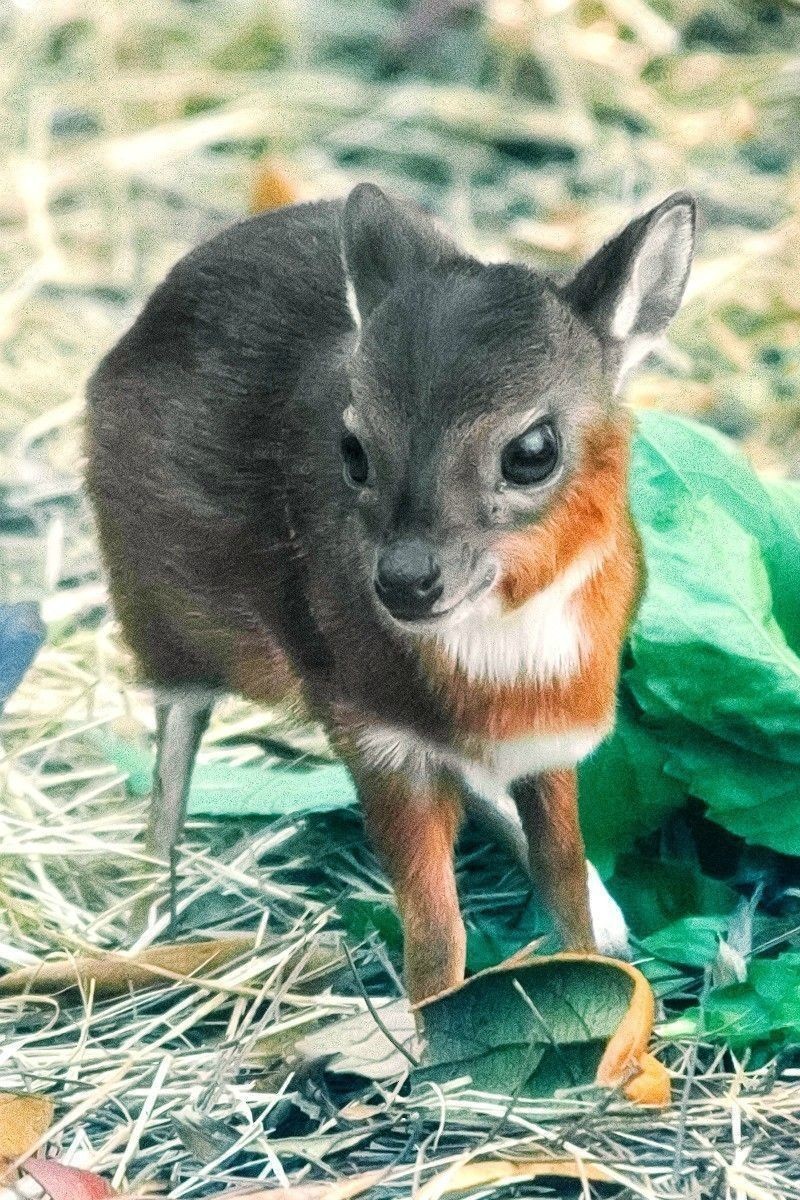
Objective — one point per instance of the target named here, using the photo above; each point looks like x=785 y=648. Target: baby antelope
x=339 y=462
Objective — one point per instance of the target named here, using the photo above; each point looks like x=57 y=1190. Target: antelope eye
x=532 y=457
x=356 y=463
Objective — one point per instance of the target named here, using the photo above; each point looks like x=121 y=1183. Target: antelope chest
x=542 y=641
x=504 y=761
x=511 y=671
x=540 y=650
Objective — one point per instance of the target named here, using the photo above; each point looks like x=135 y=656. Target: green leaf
x=134 y=760
x=361 y=917
x=763 y=1009
x=710 y=688
x=753 y=795
x=780 y=546
x=495 y=934
x=548 y=1033
x=654 y=893
x=221 y=790
x=735 y=1015
x=228 y=791
x=706 y=645
x=695 y=461
x=624 y=789
x=689 y=942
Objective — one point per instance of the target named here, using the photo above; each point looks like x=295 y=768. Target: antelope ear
x=632 y=287
x=381 y=240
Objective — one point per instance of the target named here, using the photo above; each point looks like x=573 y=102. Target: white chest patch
x=542 y=640
x=392 y=749
x=533 y=755
x=502 y=762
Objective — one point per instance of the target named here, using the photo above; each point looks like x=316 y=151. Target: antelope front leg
x=413 y=828
x=548 y=809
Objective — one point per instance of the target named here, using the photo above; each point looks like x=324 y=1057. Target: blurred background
x=533 y=128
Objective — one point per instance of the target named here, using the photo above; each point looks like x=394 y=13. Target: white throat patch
x=542 y=640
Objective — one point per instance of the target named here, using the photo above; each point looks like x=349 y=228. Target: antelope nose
x=407 y=578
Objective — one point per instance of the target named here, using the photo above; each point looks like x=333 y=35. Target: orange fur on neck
x=593 y=514
x=587 y=516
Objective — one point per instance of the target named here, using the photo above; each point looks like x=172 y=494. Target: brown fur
x=413 y=831
x=246 y=553
x=548 y=809
x=593 y=512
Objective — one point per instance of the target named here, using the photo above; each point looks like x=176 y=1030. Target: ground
x=131 y=133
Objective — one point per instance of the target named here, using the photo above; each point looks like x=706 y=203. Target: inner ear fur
x=630 y=290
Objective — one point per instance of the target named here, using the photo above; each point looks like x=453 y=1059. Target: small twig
x=553 y=1043
x=691 y=1069
x=387 y=1033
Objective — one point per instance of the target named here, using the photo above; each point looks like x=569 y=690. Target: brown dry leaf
x=464 y=1176
x=625 y=1060
x=114 y=974
x=272 y=187
x=23 y=1120
x=650 y=1084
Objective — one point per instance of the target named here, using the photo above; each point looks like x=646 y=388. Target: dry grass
x=193 y=1091
x=197 y=1089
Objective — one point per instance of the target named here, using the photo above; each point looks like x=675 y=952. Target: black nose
x=407 y=578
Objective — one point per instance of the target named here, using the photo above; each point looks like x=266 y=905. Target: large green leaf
x=688 y=942
x=677 y=458
x=710 y=689
x=625 y=791
x=533 y=1027
x=655 y=893
x=765 y=1008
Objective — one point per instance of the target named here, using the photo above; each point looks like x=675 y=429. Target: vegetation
x=532 y=127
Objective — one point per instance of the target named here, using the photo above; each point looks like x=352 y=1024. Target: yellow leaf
x=115 y=974
x=625 y=1060
x=650 y=1084
x=272 y=187
x=463 y=1176
x=23 y=1120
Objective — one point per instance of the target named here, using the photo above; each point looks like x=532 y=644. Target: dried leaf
x=204 y=1138
x=650 y=1084
x=625 y=1060
x=540 y=1025
x=318 y=1146
x=23 y=1120
x=464 y=1176
x=114 y=974
x=272 y=187
x=67 y=1183
x=360 y=1045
